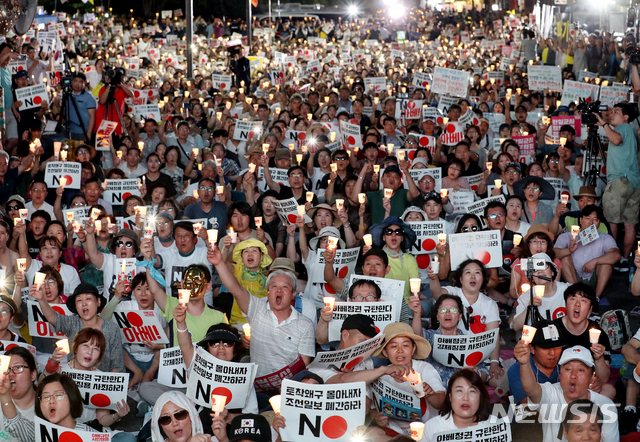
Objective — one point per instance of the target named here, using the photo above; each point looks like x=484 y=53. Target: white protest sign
x=103 y=134
x=417 y=174
x=426 y=236
x=344 y=264
x=611 y=95
x=444 y=104
x=491 y=430
x=138 y=326
x=544 y=78
x=464 y=350
x=100 y=389
x=589 y=235
x=8 y=345
x=375 y=84
x=16 y=66
x=348 y=358
x=117 y=191
x=382 y=313
x=172 y=371
x=279 y=176
x=46 y=431
x=220 y=81
x=450 y=81
x=209 y=375
x=477 y=208
x=396 y=403
x=277 y=78
x=495 y=120
x=483 y=246
x=32 y=96
x=586 y=75
x=247 y=130
x=287 y=210
x=469 y=118
x=421 y=79
x=559 y=186
x=408 y=108
x=574 y=90
x=460 y=199
x=146 y=111
x=350 y=134
x=62 y=169
x=322 y=413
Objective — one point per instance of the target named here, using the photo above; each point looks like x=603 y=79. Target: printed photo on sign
x=100 y=389
x=396 y=403
x=172 y=371
x=464 y=350
x=483 y=246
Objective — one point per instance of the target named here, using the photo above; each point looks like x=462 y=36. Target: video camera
x=633 y=52
x=115 y=75
x=589 y=111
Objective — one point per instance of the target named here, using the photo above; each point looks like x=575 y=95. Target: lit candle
x=417 y=430
x=368 y=239
x=332 y=136
x=212 y=235
x=292 y=147
x=246 y=328
x=63 y=344
x=388 y=193
x=265 y=148
x=538 y=291
x=252 y=168
x=299 y=158
x=219 y=190
x=489 y=165
x=196 y=228
x=563 y=141
x=517 y=239
x=258 y=221
x=415 y=286
x=333 y=243
x=564 y=198
x=217 y=403
x=362 y=198
x=22 y=264
x=24 y=213
x=98 y=225
x=528 y=333
x=4 y=363
x=442 y=238
x=574 y=231
x=339 y=204
x=195 y=151
x=594 y=335
x=301 y=210
x=444 y=193
x=310 y=196
x=63 y=155
x=233 y=235
x=390 y=148
x=184 y=296
x=376 y=168
x=275 y=403
x=334 y=167
x=329 y=301
x=525 y=288
x=56 y=148
x=38 y=279
x=498 y=184
x=69 y=217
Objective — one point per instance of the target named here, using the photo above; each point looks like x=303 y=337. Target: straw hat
x=423 y=348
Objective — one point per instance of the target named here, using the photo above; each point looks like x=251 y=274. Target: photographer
x=240 y=67
x=112 y=94
x=82 y=120
x=622 y=194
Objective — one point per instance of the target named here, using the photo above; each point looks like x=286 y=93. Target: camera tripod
x=594 y=148
x=67 y=96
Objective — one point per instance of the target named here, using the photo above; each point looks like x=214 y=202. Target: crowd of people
x=442 y=166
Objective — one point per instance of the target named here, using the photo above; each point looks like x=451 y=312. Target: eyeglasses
x=56 y=396
x=5 y=312
x=78 y=204
x=397 y=232
x=128 y=244
x=411 y=142
x=538 y=242
x=225 y=344
x=535 y=189
x=296 y=175
x=469 y=229
x=162 y=224
x=180 y=416
x=455 y=168
x=444 y=311
x=82 y=152
x=511 y=172
x=16 y=207
x=366 y=298
x=554 y=161
x=168 y=209
x=340 y=159
x=496 y=215
x=203 y=188
x=425 y=181
x=38 y=190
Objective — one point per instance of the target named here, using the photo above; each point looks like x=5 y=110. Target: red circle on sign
x=474 y=187
x=10 y=346
x=424 y=141
x=412 y=154
x=315 y=69
x=100 y=400
x=483 y=256
x=125 y=196
x=353 y=363
x=221 y=391
x=334 y=427
x=342 y=273
x=68 y=436
x=151 y=93
x=450 y=128
x=292 y=218
x=19 y=68
x=136 y=94
x=424 y=83
x=302 y=136
x=439 y=120
x=411 y=104
x=250 y=135
x=351 y=140
x=58 y=309
x=37 y=99
x=58 y=74
x=281 y=75
x=423 y=261
x=473 y=359
x=134 y=319
x=329 y=289
x=428 y=245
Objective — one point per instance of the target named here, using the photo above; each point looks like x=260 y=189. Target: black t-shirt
x=472 y=170
x=34 y=245
x=583 y=339
x=164 y=180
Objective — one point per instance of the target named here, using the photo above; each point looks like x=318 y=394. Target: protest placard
x=221 y=82
x=287 y=210
x=382 y=313
x=62 y=169
x=277 y=78
x=611 y=95
x=417 y=174
x=138 y=326
x=350 y=134
x=348 y=358
x=100 y=389
x=46 y=431
x=297 y=137
x=574 y=121
x=464 y=350
x=247 y=130
x=483 y=246
x=574 y=90
x=460 y=199
x=559 y=186
x=492 y=430
x=280 y=176
x=16 y=66
x=495 y=120
x=8 y=345
x=172 y=370
x=444 y=104
x=146 y=111
x=527 y=144
x=344 y=264
x=103 y=134
x=117 y=191
x=477 y=208
x=586 y=76
x=408 y=108
x=421 y=79
x=469 y=118
x=32 y=96
x=323 y=413
x=453 y=133
x=396 y=403
x=450 y=81
x=544 y=78
x=209 y=375
x=426 y=239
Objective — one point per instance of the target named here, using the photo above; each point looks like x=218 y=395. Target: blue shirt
x=217 y=216
x=85 y=101
x=515 y=384
x=622 y=160
x=5 y=81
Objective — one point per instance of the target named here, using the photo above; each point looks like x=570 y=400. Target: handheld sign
x=63 y=169
x=344 y=264
x=426 y=240
x=544 y=78
x=172 y=371
x=38 y=325
x=478 y=207
x=464 y=350
x=348 y=358
x=350 y=134
x=288 y=210
x=491 y=430
x=450 y=81
x=103 y=135
x=396 y=403
x=392 y=289
x=322 y=413
x=117 y=191
x=210 y=375
x=46 y=431
x=247 y=130
x=222 y=82
x=8 y=345
x=32 y=96
x=138 y=326
x=382 y=313
x=483 y=246
x=589 y=235
x=100 y=389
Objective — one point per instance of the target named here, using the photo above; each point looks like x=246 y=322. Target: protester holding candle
x=513 y=204
x=538 y=240
x=240 y=218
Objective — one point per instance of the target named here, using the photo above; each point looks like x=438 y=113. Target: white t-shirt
x=45 y=206
x=109 y=269
x=159 y=248
x=174 y=264
x=437 y=425
x=551 y=308
x=69 y=275
x=485 y=310
x=551 y=414
x=131 y=174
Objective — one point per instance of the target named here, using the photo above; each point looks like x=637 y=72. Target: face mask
x=195 y=280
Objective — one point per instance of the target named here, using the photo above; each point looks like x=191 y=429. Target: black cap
x=251 y=427
x=216 y=334
x=392 y=168
x=548 y=335
x=363 y=323
x=306 y=374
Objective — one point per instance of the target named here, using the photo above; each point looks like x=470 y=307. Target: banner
x=38 y=325
x=46 y=431
x=323 y=413
x=542 y=78
x=483 y=246
x=117 y=191
x=492 y=430
x=382 y=313
x=396 y=403
x=100 y=389
x=450 y=81
x=209 y=375
x=103 y=134
x=344 y=263
x=351 y=136
x=574 y=90
x=8 y=345
x=139 y=326
x=32 y=96
x=58 y=169
x=172 y=371
x=464 y=350
x=477 y=208
x=347 y=358
x=247 y=130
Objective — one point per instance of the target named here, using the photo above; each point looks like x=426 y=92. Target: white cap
x=577 y=353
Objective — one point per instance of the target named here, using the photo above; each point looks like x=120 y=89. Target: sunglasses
x=397 y=232
x=469 y=229
x=180 y=416
x=128 y=244
x=16 y=207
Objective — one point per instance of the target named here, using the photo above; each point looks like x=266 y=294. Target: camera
x=115 y=75
x=65 y=80
x=633 y=52
x=533 y=264
x=589 y=111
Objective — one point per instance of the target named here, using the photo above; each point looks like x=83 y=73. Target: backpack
x=615 y=323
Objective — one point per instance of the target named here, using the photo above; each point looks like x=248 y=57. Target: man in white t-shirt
x=577 y=370
x=39 y=192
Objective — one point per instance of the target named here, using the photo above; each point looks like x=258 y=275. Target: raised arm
x=330 y=277
x=184 y=338
x=531 y=388
x=242 y=296
x=89 y=244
